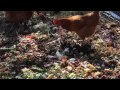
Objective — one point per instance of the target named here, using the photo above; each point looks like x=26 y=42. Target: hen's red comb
x=56 y=21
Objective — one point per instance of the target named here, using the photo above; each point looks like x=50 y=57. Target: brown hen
x=18 y=16
x=83 y=25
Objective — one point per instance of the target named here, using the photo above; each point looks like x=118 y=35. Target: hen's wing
x=78 y=24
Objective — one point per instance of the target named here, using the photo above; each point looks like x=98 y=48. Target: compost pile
x=40 y=53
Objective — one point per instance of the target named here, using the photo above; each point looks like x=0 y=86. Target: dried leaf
x=51 y=76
